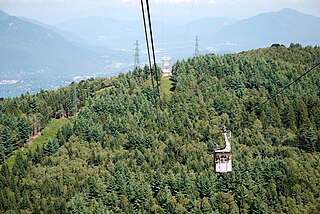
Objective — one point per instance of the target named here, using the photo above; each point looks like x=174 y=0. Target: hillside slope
x=285 y=27
x=27 y=47
x=121 y=154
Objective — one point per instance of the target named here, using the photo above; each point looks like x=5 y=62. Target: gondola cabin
x=223 y=162
x=223 y=157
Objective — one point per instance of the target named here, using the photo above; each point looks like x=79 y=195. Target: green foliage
x=77 y=205
x=25 y=117
x=51 y=147
x=35 y=148
x=122 y=154
x=96 y=188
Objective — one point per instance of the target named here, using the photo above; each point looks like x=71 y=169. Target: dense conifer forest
x=118 y=152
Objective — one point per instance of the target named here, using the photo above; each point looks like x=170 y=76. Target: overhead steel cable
x=296 y=80
x=152 y=46
x=148 y=48
x=162 y=22
x=190 y=16
x=176 y=42
x=288 y=85
x=157 y=96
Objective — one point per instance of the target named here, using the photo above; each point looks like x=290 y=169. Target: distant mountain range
x=121 y=34
x=65 y=34
x=33 y=53
x=105 y=31
x=28 y=47
x=285 y=27
x=35 y=56
x=215 y=34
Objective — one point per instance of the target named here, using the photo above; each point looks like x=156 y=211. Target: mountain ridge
x=30 y=47
x=107 y=31
x=41 y=43
x=113 y=149
x=35 y=58
x=3 y=15
x=285 y=26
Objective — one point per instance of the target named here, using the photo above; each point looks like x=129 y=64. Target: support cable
x=190 y=16
x=288 y=85
x=153 y=52
x=157 y=101
x=148 y=48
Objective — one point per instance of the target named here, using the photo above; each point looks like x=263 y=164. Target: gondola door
x=223 y=157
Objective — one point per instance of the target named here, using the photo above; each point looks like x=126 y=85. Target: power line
x=178 y=47
x=287 y=86
x=162 y=20
x=190 y=16
x=296 y=80
x=196 y=47
x=148 y=49
x=136 y=54
x=176 y=42
x=178 y=52
x=157 y=101
x=74 y=99
x=152 y=46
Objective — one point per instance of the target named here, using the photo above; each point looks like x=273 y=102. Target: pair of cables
x=146 y=14
x=271 y=97
x=296 y=80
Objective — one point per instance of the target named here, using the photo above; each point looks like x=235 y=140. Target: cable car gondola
x=223 y=157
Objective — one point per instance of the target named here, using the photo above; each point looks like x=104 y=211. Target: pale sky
x=55 y=11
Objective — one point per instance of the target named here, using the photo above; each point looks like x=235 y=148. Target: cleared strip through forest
x=49 y=132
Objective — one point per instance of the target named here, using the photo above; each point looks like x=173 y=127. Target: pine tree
x=5 y=176
x=164 y=197
x=205 y=206
x=38 y=155
x=192 y=205
x=184 y=183
x=51 y=147
x=96 y=188
x=77 y=205
x=157 y=183
x=20 y=166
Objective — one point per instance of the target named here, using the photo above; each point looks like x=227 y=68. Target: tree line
x=25 y=116
x=123 y=154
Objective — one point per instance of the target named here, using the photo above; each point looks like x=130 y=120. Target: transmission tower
x=74 y=99
x=196 y=47
x=136 y=54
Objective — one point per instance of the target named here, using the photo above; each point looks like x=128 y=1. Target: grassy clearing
x=166 y=84
x=49 y=132
x=104 y=89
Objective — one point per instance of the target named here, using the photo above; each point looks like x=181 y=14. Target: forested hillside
x=24 y=117
x=121 y=154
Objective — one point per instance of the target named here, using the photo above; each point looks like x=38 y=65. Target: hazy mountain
x=79 y=42
x=121 y=34
x=104 y=31
x=218 y=35
x=3 y=15
x=65 y=34
x=33 y=56
x=28 y=47
x=284 y=27
x=210 y=25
